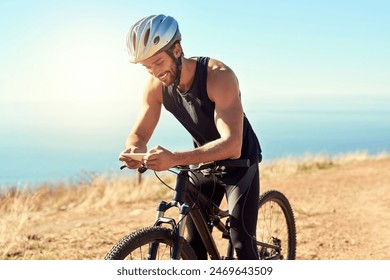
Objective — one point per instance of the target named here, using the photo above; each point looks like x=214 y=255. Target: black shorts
x=242 y=188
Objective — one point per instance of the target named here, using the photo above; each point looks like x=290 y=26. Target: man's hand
x=128 y=161
x=159 y=159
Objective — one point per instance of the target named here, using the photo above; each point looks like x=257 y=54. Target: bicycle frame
x=190 y=202
x=202 y=211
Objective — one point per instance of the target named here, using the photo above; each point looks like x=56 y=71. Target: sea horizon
x=35 y=152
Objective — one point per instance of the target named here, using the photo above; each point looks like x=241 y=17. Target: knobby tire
x=135 y=245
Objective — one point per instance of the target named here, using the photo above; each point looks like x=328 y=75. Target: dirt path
x=342 y=212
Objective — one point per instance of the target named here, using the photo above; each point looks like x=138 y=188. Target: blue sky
x=71 y=52
x=73 y=49
x=64 y=73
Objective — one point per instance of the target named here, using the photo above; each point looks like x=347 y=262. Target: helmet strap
x=178 y=63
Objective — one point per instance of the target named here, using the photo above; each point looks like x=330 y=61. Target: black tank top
x=195 y=111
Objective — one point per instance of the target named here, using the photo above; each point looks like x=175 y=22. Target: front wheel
x=150 y=243
x=276 y=232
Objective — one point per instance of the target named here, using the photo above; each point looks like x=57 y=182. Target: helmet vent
x=134 y=40
x=156 y=40
x=146 y=38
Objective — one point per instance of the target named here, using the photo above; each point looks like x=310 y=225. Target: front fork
x=177 y=228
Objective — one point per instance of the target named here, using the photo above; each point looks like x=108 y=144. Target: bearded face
x=162 y=67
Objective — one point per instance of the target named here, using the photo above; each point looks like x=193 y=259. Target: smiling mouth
x=163 y=76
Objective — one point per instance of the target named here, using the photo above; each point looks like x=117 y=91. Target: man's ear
x=177 y=51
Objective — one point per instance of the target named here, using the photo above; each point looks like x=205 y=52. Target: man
x=203 y=94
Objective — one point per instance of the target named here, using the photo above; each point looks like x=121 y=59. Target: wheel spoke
x=276 y=227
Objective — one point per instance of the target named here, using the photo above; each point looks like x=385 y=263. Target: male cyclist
x=203 y=94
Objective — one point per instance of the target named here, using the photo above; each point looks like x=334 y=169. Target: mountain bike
x=275 y=232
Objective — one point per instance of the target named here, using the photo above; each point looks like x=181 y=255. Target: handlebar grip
x=141 y=169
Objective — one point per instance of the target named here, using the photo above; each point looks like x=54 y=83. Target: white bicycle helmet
x=151 y=35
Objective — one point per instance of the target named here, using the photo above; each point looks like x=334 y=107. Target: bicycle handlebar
x=213 y=164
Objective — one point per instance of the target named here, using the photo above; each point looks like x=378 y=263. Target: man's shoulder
x=153 y=88
x=220 y=80
x=213 y=64
x=153 y=83
x=218 y=69
x=216 y=66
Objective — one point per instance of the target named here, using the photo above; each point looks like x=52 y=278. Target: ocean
x=34 y=152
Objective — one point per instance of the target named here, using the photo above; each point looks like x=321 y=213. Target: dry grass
x=20 y=210
x=95 y=192
x=310 y=163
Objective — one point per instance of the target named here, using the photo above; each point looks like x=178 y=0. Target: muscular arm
x=146 y=122
x=223 y=90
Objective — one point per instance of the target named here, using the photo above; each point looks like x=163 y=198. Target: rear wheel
x=276 y=232
x=136 y=245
